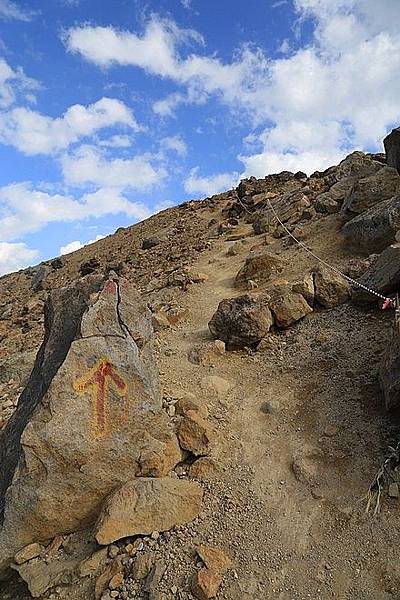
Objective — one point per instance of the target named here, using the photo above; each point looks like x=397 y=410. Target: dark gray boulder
x=392 y=149
x=383 y=276
x=375 y=229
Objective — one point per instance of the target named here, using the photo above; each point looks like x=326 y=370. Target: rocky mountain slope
x=210 y=404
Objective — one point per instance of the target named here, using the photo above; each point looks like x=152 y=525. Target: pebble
x=394 y=490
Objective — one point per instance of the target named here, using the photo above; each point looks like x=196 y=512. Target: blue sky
x=110 y=111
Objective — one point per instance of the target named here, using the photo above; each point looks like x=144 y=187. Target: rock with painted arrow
x=90 y=418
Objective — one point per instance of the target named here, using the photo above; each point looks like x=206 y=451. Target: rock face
x=90 y=418
x=358 y=165
x=389 y=372
x=330 y=202
x=289 y=207
x=382 y=276
x=376 y=228
x=260 y=266
x=369 y=191
x=144 y=505
x=240 y=321
x=392 y=149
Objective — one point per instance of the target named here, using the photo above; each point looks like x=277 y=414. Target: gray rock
x=259 y=267
x=39 y=277
x=375 y=229
x=382 y=276
x=392 y=149
x=18 y=367
x=370 y=191
x=240 y=322
x=357 y=164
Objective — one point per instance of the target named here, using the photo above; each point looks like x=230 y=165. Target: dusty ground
x=294 y=533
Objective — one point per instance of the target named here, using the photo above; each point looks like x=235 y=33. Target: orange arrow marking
x=98 y=381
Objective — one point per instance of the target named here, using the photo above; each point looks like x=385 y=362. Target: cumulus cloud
x=77 y=245
x=34 y=133
x=88 y=166
x=26 y=210
x=14 y=256
x=207 y=186
x=175 y=143
x=14 y=83
x=12 y=11
x=345 y=82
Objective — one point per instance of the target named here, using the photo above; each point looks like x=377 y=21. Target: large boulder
x=369 y=191
x=357 y=164
x=330 y=202
x=382 y=276
x=374 y=229
x=392 y=149
x=241 y=321
x=90 y=418
x=259 y=267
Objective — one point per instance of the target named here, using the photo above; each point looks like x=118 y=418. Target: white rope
x=335 y=269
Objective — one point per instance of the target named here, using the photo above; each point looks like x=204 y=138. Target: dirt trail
x=287 y=500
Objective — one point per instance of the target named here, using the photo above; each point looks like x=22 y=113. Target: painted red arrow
x=98 y=381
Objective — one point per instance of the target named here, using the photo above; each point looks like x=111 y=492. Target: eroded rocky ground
x=300 y=422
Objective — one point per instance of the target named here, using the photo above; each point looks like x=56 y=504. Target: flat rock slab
x=144 y=505
x=383 y=276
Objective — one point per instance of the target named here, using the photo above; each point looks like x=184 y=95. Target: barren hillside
x=260 y=434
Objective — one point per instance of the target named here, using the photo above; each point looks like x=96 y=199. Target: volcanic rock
x=389 y=372
x=382 y=276
x=287 y=306
x=392 y=149
x=330 y=288
x=90 y=417
x=357 y=164
x=240 y=321
x=259 y=267
x=369 y=191
x=376 y=228
x=144 y=505
x=195 y=434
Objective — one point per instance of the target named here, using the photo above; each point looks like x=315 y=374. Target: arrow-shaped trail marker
x=98 y=380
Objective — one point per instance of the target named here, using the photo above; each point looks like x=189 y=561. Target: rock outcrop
x=369 y=191
x=382 y=276
x=375 y=229
x=392 y=149
x=90 y=418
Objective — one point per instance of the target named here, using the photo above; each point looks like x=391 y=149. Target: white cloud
x=34 y=133
x=175 y=143
x=14 y=83
x=207 y=186
x=77 y=245
x=11 y=10
x=25 y=210
x=15 y=256
x=88 y=166
x=116 y=141
x=345 y=82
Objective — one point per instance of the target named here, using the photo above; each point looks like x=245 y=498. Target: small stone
x=271 y=407
x=114 y=594
x=113 y=551
x=205 y=584
x=195 y=434
x=27 y=553
x=116 y=581
x=155 y=535
x=394 y=490
x=186 y=404
x=174 y=590
x=90 y=565
x=203 y=469
x=142 y=565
